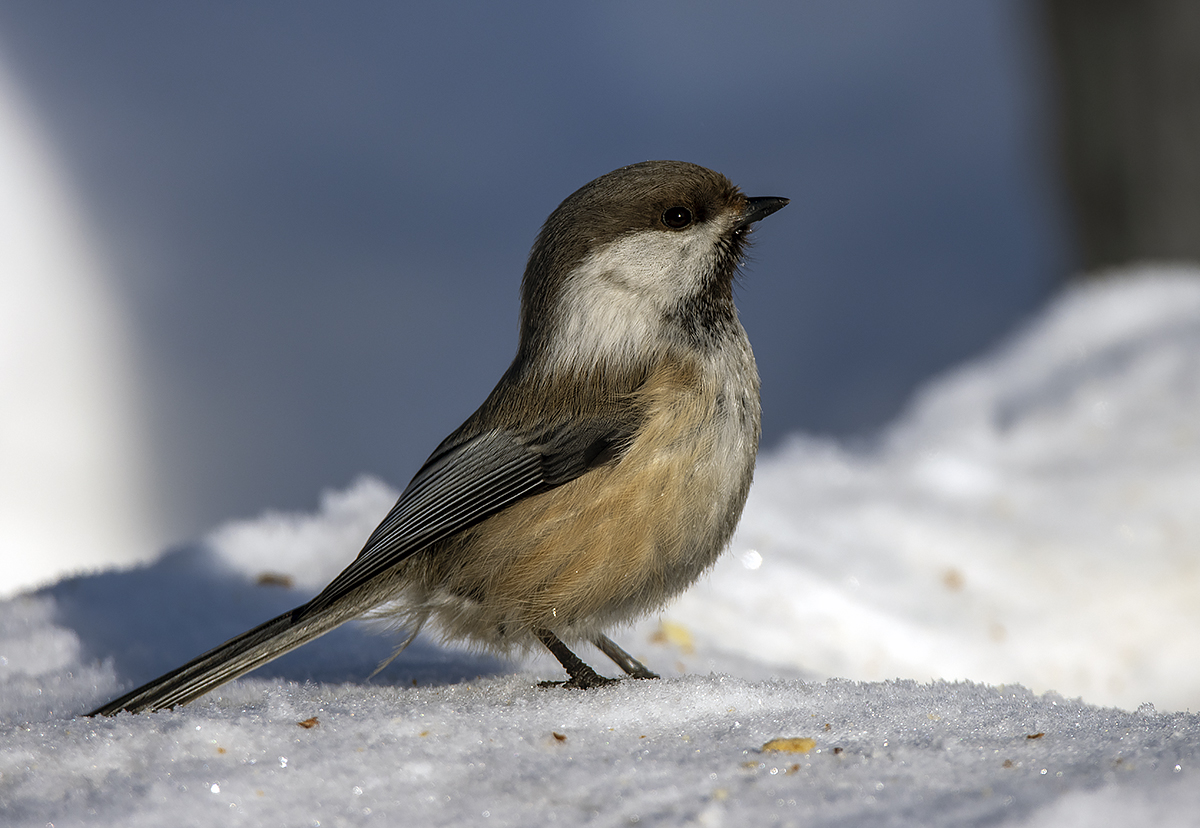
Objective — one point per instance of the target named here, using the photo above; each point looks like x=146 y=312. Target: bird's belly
x=617 y=542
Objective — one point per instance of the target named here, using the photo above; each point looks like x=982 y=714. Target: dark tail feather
x=233 y=658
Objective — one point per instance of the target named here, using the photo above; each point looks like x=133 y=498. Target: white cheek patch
x=602 y=319
x=613 y=305
x=663 y=267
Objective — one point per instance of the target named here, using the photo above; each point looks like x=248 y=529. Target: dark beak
x=760 y=208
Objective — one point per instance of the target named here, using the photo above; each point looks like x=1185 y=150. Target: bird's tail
x=233 y=658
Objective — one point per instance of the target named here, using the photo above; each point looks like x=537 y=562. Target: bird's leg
x=582 y=677
x=623 y=659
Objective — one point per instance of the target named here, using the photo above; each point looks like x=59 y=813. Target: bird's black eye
x=677 y=218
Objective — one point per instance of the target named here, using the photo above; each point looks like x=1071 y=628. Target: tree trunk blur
x=1129 y=103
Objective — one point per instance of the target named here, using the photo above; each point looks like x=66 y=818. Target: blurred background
x=252 y=251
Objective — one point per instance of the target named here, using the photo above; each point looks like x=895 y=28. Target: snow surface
x=1029 y=523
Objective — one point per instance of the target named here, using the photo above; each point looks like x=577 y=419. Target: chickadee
x=605 y=472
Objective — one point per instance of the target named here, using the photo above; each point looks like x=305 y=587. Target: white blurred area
x=74 y=491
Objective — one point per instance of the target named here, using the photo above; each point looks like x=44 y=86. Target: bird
x=601 y=477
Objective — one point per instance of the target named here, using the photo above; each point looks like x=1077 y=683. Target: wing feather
x=466 y=481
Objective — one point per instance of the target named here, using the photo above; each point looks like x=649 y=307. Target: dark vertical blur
x=1129 y=86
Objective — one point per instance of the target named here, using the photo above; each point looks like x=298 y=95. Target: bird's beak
x=760 y=208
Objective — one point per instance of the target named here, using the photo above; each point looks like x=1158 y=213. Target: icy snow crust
x=675 y=752
x=1030 y=521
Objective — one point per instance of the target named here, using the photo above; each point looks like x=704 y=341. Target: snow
x=1032 y=518
x=1019 y=548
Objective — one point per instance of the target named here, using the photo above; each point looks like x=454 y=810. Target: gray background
x=320 y=213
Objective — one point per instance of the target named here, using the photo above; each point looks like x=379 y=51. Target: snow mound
x=1032 y=518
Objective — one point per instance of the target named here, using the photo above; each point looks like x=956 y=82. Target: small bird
x=604 y=473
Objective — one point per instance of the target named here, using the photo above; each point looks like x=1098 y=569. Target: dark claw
x=582 y=682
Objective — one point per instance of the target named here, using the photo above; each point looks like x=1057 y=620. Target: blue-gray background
x=320 y=213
